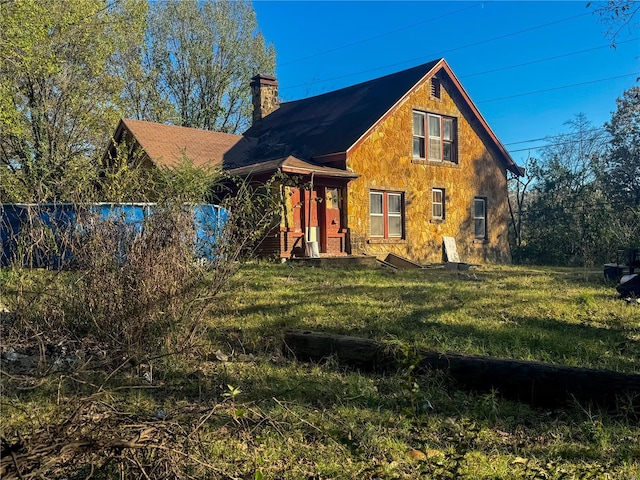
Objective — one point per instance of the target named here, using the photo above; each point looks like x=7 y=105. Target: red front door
x=329 y=219
x=319 y=219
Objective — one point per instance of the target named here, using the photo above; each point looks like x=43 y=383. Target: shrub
x=131 y=287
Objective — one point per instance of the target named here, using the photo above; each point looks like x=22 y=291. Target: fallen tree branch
x=94 y=436
x=536 y=383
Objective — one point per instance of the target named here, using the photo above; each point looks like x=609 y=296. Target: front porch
x=313 y=220
x=314 y=223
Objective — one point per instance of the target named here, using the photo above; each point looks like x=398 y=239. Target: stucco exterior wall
x=384 y=159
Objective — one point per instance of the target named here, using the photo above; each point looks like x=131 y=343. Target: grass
x=261 y=415
x=565 y=317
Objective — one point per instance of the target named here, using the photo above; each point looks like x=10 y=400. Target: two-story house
x=389 y=165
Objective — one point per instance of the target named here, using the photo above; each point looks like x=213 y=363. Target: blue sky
x=502 y=51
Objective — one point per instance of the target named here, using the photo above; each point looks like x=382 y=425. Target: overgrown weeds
x=132 y=286
x=137 y=280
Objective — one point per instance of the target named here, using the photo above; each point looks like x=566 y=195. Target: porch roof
x=291 y=164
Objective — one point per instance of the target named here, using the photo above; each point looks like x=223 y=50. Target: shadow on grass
x=448 y=314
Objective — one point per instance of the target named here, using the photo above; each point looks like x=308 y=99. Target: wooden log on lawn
x=536 y=383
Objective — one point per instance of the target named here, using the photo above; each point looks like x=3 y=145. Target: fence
x=42 y=235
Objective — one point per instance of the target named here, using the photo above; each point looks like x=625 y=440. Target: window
x=418 y=134
x=386 y=213
x=394 y=214
x=480 y=218
x=376 y=213
x=441 y=137
x=332 y=199
x=437 y=204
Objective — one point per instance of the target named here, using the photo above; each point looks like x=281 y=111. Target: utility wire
x=432 y=55
x=558 y=88
x=531 y=62
x=391 y=32
x=559 y=135
x=477 y=73
x=558 y=144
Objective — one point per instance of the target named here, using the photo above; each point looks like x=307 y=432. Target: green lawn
x=236 y=407
x=567 y=316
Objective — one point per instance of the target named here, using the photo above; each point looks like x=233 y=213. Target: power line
x=557 y=144
x=546 y=138
x=557 y=88
x=391 y=32
x=578 y=52
x=436 y=54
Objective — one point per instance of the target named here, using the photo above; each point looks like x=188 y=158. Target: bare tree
x=516 y=199
x=565 y=214
x=617 y=15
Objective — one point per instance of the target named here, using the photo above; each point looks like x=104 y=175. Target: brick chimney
x=264 y=96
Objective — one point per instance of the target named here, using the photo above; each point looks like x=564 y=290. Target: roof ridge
x=360 y=84
x=127 y=121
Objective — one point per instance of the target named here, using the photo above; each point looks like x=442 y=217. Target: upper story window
x=418 y=134
x=386 y=214
x=435 y=136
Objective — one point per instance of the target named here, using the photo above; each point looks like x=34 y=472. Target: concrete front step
x=342 y=261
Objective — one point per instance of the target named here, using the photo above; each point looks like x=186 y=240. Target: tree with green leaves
x=70 y=69
x=204 y=52
x=566 y=215
x=58 y=95
x=622 y=164
x=140 y=97
x=620 y=172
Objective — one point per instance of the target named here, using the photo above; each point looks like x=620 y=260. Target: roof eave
x=510 y=164
x=281 y=165
x=320 y=172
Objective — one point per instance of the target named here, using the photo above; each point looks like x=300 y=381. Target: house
x=389 y=165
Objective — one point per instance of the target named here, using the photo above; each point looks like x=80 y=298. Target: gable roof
x=333 y=123
x=167 y=144
x=303 y=131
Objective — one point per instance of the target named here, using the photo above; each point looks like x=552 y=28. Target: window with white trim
x=480 y=218
x=437 y=204
x=418 y=135
x=386 y=214
x=434 y=137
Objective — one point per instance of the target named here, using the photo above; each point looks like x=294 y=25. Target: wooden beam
x=535 y=383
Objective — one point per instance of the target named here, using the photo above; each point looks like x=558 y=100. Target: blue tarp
x=209 y=222
x=46 y=229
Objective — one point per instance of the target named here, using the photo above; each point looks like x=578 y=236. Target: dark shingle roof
x=332 y=122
